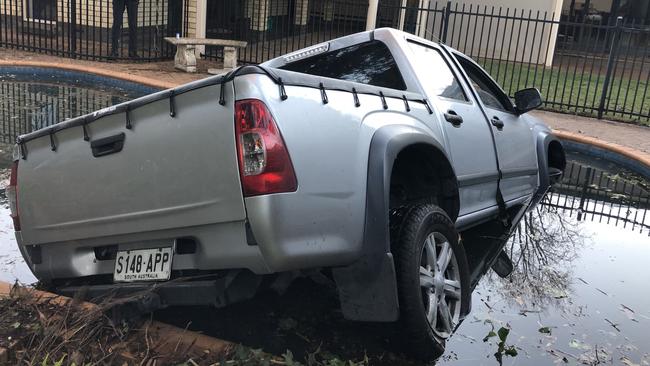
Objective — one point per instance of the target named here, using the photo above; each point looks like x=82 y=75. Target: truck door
x=467 y=133
x=515 y=143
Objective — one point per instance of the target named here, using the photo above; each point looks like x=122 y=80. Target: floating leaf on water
x=579 y=345
x=519 y=300
x=288 y=358
x=503 y=333
x=601 y=291
x=511 y=351
x=628 y=312
x=545 y=330
x=489 y=335
x=626 y=361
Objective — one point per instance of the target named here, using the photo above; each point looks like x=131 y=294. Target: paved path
x=161 y=71
x=633 y=136
x=628 y=135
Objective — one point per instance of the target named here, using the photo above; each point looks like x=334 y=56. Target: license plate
x=143 y=265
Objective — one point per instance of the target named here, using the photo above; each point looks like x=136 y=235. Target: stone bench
x=185 y=58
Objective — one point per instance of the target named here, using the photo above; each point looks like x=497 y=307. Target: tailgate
x=171 y=172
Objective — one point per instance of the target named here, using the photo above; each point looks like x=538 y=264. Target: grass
x=577 y=90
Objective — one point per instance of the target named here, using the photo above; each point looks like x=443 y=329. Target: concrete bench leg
x=229 y=58
x=185 y=59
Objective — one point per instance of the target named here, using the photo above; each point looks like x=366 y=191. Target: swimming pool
x=32 y=98
x=578 y=293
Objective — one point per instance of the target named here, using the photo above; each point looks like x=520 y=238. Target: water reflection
x=542 y=249
x=31 y=99
x=578 y=291
x=595 y=190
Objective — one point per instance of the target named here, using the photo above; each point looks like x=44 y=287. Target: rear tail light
x=12 y=195
x=264 y=163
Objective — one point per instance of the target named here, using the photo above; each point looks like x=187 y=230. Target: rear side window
x=438 y=76
x=367 y=63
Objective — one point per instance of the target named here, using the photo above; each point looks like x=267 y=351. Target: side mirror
x=527 y=100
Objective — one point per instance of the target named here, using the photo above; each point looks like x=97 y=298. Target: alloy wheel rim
x=440 y=284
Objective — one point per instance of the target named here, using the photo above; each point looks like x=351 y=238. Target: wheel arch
x=388 y=145
x=368 y=288
x=422 y=171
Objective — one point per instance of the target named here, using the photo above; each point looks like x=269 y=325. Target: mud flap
x=368 y=289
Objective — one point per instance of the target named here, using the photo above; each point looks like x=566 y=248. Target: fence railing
x=87 y=29
x=581 y=65
x=274 y=28
x=591 y=193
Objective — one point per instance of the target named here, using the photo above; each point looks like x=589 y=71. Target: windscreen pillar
x=371 y=20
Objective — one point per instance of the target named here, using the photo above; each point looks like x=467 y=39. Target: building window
x=40 y=10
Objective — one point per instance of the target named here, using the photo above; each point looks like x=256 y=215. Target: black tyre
x=432 y=279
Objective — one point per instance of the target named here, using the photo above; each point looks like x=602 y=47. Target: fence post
x=445 y=22
x=611 y=59
x=72 y=29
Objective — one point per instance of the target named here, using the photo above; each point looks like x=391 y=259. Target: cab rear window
x=367 y=63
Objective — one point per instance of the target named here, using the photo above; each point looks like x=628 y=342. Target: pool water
x=580 y=290
x=33 y=98
x=579 y=293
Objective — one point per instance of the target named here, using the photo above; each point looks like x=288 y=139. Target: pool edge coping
x=634 y=154
x=93 y=70
x=629 y=152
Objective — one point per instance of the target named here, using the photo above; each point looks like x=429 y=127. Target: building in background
x=635 y=12
x=481 y=27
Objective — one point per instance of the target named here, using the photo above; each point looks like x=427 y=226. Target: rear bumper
x=218 y=247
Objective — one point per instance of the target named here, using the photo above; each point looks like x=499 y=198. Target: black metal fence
x=274 y=28
x=597 y=194
x=585 y=66
x=84 y=28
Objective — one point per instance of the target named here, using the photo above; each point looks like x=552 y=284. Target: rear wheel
x=432 y=279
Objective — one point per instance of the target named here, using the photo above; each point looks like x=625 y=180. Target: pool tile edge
x=93 y=70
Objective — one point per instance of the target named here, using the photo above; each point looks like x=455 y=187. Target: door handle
x=107 y=145
x=496 y=122
x=453 y=117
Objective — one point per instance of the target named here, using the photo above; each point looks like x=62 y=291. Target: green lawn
x=577 y=90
